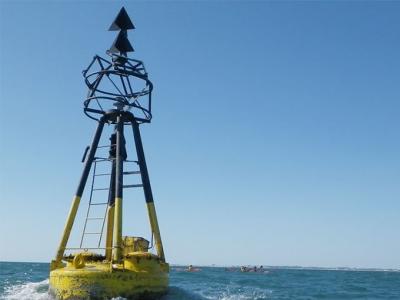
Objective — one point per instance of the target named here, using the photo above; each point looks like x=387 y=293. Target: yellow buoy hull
x=138 y=277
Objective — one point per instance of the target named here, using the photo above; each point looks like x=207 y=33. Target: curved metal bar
x=123 y=75
x=107 y=73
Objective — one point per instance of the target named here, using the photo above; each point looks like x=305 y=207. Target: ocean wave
x=255 y=294
x=178 y=293
x=217 y=291
x=27 y=291
x=38 y=291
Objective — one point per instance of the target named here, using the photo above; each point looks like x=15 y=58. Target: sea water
x=29 y=281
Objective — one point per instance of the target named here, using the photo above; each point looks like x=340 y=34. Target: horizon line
x=293 y=267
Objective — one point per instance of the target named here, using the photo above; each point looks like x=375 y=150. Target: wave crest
x=28 y=291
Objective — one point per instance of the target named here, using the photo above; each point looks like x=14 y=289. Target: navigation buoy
x=119 y=95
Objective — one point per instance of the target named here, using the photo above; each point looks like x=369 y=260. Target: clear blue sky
x=275 y=138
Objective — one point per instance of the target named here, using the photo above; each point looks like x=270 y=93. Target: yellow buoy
x=140 y=275
x=118 y=265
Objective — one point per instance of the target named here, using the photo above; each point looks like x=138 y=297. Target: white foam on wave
x=235 y=292
x=243 y=296
x=28 y=291
x=31 y=291
x=39 y=291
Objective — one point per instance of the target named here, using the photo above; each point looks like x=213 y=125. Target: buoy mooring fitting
x=120 y=96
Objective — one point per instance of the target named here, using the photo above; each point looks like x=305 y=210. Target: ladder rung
x=92 y=233
x=101 y=203
x=125 y=173
x=102 y=189
x=100 y=159
x=132 y=185
x=95 y=219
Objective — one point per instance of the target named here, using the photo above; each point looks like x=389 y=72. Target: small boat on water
x=117 y=266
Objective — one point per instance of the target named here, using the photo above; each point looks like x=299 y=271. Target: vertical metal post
x=148 y=194
x=77 y=198
x=117 y=236
x=110 y=212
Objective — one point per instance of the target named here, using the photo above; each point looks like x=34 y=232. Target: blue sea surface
x=23 y=281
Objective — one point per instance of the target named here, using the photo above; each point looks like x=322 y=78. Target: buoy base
x=138 y=277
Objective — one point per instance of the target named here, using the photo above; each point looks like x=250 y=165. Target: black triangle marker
x=122 y=21
x=121 y=44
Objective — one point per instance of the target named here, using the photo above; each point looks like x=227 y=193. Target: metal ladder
x=105 y=204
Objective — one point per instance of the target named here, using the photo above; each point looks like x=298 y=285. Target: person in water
x=192 y=269
x=254 y=269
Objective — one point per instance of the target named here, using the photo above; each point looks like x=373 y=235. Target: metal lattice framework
x=121 y=83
